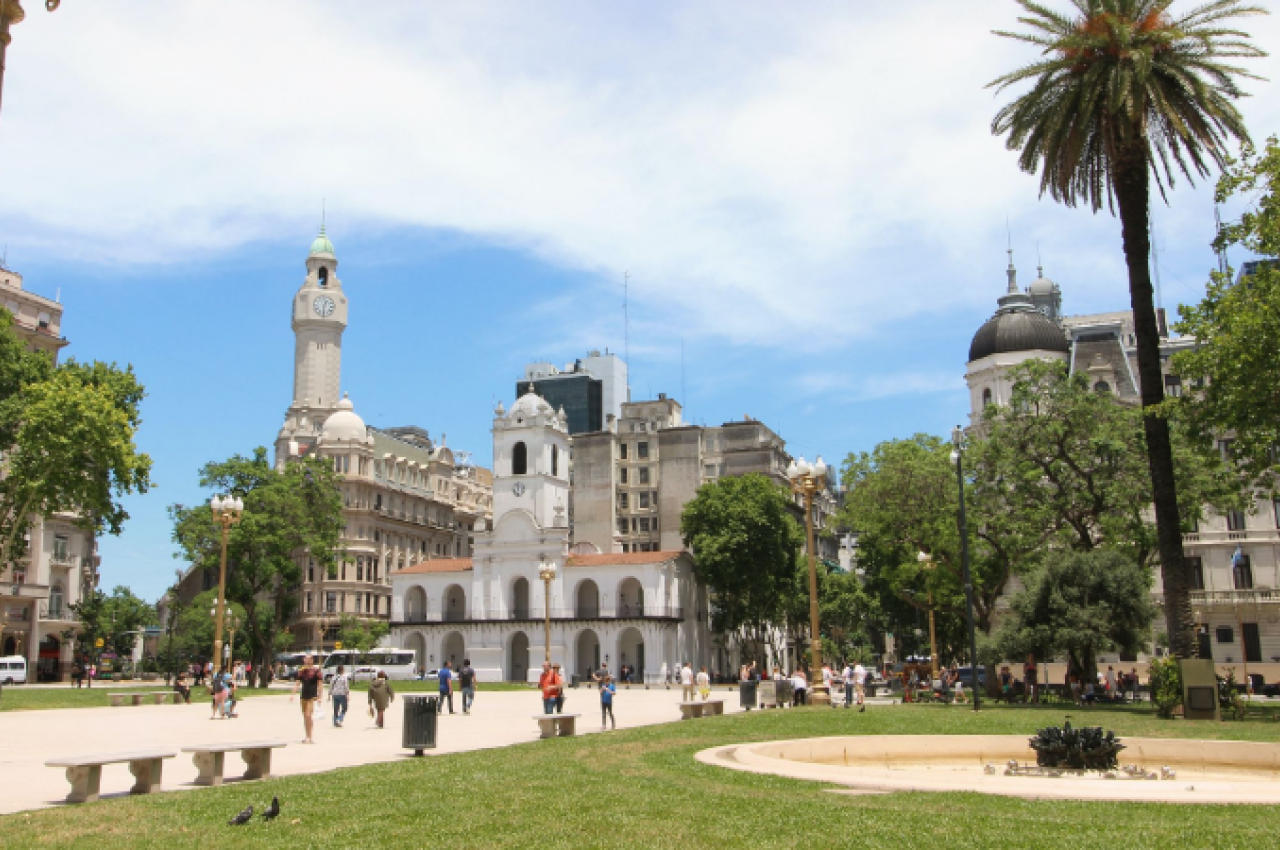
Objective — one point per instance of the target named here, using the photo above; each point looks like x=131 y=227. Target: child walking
x=607 y=692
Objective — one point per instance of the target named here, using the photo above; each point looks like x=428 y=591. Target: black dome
x=1020 y=330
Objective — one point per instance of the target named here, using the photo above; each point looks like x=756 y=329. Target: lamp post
x=957 y=457
x=226 y=513
x=232 y=623
x=926 y=563
x=808 y=481
x=546 y=571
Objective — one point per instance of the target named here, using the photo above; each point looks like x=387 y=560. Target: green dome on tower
x=321 y=245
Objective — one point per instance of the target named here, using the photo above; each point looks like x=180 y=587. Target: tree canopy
x=1230 y=376
x=289 y=515
x=112 y=618
x=745 y=543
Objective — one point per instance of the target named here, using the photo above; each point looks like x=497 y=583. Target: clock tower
x=319 y=316
x=531 y=462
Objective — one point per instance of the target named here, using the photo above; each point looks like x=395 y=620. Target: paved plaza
x=498 y=718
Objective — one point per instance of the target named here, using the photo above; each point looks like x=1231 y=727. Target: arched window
x=1102 y=387
x=519 y=459
x=324 y=276
x=986 y=397
x=555 y=460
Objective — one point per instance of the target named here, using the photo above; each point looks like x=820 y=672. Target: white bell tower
x=531 y=462
x=319 y=316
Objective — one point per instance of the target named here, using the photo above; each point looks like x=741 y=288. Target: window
x=1102 y=387
x=359 y=569
x=331 y=602
x=59 y=547
x=644 y=499
x=655 y=523
x=1196 y=567
x=623 y=476
x=1275 y=509
x=555 y=460
x=633 y=524
x=644 y=475
x=1225 y=634
x=644 y=524
x=1252 y=642
x=55 y=602
x=623 y=448
x=1235 y=520
x=1242 y=573
x=626 y=547
x=623 y=500
x=311 y=572
x=1172 y=386
x=1225 y=447
x=324 y=276
x=622 y=525
x=519 y=459
x=642 y=450
x=308 y=602
x=344 y=570
x=43 y=319
x=986 y=397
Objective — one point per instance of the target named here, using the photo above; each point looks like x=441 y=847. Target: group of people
x=465 y=676
x=308 y=687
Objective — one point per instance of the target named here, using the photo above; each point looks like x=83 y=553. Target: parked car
x=13 y=670
x=966 y=675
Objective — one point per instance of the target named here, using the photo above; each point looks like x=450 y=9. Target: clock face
x=518 y=488
x=323 y=305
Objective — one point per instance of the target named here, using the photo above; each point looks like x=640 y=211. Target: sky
x=806 y=200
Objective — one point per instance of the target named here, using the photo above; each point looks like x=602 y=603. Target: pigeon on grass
x=272 y=810
x=242 y=818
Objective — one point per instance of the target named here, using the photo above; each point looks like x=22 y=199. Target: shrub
x=1166 y=685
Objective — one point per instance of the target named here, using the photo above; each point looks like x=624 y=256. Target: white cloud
x=872 y=387
x=752 y=163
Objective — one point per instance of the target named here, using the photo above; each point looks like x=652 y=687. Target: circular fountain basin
x=1206 y=771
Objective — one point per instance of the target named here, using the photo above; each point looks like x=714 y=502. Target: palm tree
x=1124 y=92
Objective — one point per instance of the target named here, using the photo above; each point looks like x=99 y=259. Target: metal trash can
x=420 y=716
x=575 y=680
x=747 y=694
x=786 y=692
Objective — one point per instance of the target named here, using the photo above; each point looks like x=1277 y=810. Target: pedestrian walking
x=686 y=683
x=381 y=695
x=559 y=689
x=547 y=685
x=218 y=696
x=467 y=681
x=860 y=685
x=704 y=683
x=607 y=692
x=847 y=675
x=310 y=682
x=340 y=694
x=1030 y=678
x=229 y=704
x=181 y=687
x=445 y=680
x=665 y=672
x=800 y=687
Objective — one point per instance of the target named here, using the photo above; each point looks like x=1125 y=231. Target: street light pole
x=957 y=455
x=226 y=512
x=546 y=571
x=808 y=481
x=926 y=562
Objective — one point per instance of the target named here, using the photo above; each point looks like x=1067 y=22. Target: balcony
x=61 y=613
x=535 y=615
x=62 y=559
x=1253 y=596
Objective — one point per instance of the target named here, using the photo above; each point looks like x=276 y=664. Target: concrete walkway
x=498 y=718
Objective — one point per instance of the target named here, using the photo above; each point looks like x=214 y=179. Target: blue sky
x=809 y=198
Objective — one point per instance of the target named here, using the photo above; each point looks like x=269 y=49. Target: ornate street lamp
x=926 y=563
x=547 y=572
x=808 y=481
x=957 y=457
x=226 y=512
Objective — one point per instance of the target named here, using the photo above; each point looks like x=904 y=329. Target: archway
x=588 y=653
x=418 y=645
x=588 y=599
x=455 y=604
x=453 y=650
x=520 y=599
x=630 y=598
x=47 y=669
x=631 y=652
x=10 y=646
x=415 y=605
x=518 y=661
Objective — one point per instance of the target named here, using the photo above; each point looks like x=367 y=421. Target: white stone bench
x=209 y=759
x=553 y=725
x=118 y=699
x=85 y=772
x=701 y=708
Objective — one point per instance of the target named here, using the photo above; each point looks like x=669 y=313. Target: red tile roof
x=621 y=558
x=437 y=565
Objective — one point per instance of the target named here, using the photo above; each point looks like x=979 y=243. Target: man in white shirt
x=847 y=675
x=686 y=683
x=860 y=683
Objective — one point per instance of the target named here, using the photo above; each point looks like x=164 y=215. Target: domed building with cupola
x=406 y=496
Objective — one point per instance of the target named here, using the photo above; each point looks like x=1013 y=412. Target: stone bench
x=209 y=759
x=137 y=697
x=553 y=725
x=85 y=772
x=701 y=708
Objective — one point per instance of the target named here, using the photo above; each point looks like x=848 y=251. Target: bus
x=396 y=663
x=287 y=663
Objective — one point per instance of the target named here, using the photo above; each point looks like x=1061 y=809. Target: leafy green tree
x=361 y=634
x=1067 y=465
x=745 y=545
x=1233 y=367
x=68 y=433
x=1122 y=91
x=116 y=619
x=1080 y=604
x=290 y=516
x=194 y=627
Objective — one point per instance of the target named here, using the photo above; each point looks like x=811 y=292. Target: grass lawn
x=642 y=788
x=18 y=698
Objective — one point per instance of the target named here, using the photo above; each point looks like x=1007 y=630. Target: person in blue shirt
x=607 y=692
x=446 y=686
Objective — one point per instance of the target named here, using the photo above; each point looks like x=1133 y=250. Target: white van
x=13 y=670
x=396 y=663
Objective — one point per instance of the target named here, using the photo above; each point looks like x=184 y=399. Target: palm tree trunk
x=1132 y=184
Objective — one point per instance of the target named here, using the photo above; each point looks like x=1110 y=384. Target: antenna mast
x=1155 y=262
x=1222 y=252
x=626 y=322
